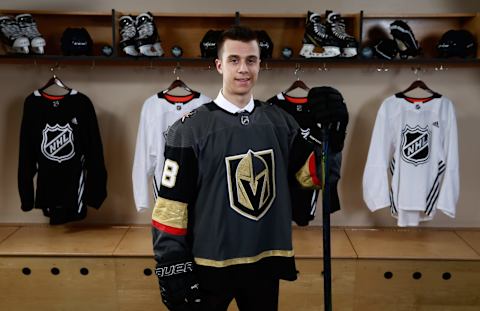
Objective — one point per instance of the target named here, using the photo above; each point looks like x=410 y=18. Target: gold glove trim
x=306 y=176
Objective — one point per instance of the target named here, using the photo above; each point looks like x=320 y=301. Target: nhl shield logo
x=57 y=143
x=251 y=182
x=415 y=147
x=245 y=120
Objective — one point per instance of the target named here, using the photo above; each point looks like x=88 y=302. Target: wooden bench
x=111 y=268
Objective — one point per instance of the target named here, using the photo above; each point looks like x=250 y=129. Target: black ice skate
x=148 y=42
x=403 y=35
x=317 y=37
x=28 y=26
x=12 y=37
x=336 y=27
x=128 y=34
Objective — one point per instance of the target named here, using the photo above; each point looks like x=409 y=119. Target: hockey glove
x=330 y=116
x=178 y=286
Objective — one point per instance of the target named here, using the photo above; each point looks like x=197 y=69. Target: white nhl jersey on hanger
x=412 y=165
x=159 y=112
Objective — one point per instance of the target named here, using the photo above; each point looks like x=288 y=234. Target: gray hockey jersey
x=224 y=196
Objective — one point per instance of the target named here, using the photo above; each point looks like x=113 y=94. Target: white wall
x=251 y=6
x=119 y=91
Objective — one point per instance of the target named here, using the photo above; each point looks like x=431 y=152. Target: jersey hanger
x=178 y=83
x=297 y=83
x=54 y=80
x=418 y=84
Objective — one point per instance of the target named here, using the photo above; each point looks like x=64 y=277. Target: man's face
x=239 y=66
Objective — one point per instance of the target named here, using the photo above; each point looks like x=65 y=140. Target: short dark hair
x=237 y=33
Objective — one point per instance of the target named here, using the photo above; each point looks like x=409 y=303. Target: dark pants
x=259 y=295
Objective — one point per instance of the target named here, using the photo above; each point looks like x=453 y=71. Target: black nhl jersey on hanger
x=303 y=198
x=60 y=143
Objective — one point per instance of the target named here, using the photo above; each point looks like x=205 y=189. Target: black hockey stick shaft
x=327 y=259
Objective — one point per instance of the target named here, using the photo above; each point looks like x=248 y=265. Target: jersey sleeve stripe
x=168 y=229
x=170 y=213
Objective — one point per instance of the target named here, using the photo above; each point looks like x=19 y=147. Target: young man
x=222 y=222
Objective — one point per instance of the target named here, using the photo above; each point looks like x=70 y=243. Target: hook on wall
x=441 y=68
x=416 y=72
x=54 y=67
x=267 y=68
x=382 y=68
x=324 y=68
x=298 y=68
x=176 y=70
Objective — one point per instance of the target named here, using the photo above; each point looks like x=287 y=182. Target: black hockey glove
x=178 y=286
x=329 y=116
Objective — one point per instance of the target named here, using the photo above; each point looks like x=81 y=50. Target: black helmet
x=76 y=41
x=457 y=43
x=208 y=45
x=266 y=44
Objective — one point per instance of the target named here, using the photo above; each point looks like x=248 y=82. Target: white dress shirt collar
x=225 y=104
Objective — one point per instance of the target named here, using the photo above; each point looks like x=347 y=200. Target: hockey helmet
x=266 y=44
x=329 y=111
x=208 y=45
x=76 y=41
x=386 y=49
x=457 y=43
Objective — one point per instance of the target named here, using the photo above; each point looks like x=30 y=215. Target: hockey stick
x=327 y=269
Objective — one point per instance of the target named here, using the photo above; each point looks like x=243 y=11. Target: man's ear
x=218 y=65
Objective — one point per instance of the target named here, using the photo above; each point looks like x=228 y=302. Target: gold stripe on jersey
x=243 y=260
x=170 y=213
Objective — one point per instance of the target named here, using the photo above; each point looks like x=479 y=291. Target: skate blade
x=312 y=51
x=349 y=52
x=130 y=50
x=18 y=50
x=38 y=50
x=149 y=50
x=157 y=47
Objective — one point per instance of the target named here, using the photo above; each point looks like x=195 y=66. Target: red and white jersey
x=415 y=140
x=159 y=112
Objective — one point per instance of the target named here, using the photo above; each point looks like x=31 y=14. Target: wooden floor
x=111 y=268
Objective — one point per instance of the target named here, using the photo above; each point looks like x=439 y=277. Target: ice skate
x=316 y=40
x=128 y=35
x=147 y=42
x=29 y=29
x=336 y=27
x=12 y=37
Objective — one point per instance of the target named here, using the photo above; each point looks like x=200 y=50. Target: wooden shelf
x=285 y=30
x=271 y=63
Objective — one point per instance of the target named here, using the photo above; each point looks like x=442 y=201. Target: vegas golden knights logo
x=251 y=182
